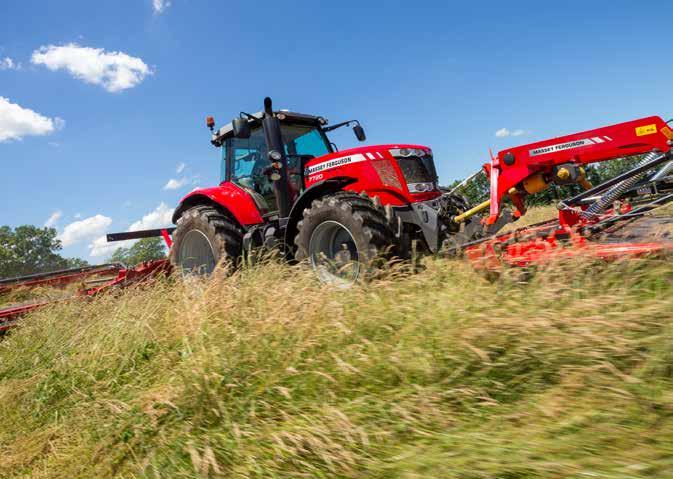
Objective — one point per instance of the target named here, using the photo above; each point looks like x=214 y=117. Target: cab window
x=301 y=143
x=304 y=140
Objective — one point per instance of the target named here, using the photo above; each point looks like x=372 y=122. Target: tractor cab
x=246 y=161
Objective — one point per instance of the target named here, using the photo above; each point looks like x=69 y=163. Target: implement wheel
x=344 y=236
x=205 y=238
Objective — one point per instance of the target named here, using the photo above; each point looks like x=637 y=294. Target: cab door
x=246 y=164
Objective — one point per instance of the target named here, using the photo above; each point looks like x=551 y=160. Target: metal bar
x=129 y=235
x=466 y=181
x=641 y=210
x=16 y=311
x=553 y=225
x=57 y=278
x=471 y=212
x=61 y=272
x=617 y=179
x=167 y=238
x=662 y=173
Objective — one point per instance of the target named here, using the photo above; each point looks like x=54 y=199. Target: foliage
x=145 y=249
x=28 y=249
x=440 y=374
x=476 y=190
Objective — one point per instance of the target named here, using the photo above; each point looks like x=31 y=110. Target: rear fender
x=228 y=198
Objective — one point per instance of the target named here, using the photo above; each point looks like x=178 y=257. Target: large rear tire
x=344 y=236
x=205 y=238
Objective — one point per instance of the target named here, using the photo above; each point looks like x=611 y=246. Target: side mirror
x=359 y=133
x=241 y=128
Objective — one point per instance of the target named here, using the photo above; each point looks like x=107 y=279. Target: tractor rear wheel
x=205 y=238
x=343 y=236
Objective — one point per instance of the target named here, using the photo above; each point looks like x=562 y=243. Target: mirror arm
x=339 y=125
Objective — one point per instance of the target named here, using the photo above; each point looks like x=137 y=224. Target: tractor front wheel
x=343 y=236
x=205 y=238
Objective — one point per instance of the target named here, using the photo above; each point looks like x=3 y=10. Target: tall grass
x=269 y=374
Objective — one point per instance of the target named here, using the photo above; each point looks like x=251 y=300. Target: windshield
x=304 y=140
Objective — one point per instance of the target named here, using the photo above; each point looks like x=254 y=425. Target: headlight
x=275 y=155
x=420 y=187
x=406 y=152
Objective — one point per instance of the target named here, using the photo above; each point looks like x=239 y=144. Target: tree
x=28 y=249
x=144 y=250
x=475 y=190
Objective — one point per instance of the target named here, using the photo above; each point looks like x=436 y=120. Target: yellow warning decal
x=646 y=130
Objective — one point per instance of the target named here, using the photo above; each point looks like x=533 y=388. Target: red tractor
x=285 y=185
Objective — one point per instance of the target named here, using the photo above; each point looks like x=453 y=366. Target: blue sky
x=100 y=102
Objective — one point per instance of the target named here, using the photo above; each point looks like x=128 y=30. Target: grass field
x=269 y=374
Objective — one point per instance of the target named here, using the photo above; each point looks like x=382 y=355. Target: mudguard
x=228 y=196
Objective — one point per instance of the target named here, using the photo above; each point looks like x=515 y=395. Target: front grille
x=387 y=173
x=417 y=169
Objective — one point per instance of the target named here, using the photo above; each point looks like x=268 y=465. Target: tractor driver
x=251 y=166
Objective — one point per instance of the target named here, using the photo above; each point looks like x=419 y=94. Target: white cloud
x=174 y=184
x=504 y=132
x=160 y=6
x=84 y=229
x=100 y=246
x=181 y=167
x=17 y=122
x=114 y=71
x=161 y=216
x=53 y=219
x=9 y=64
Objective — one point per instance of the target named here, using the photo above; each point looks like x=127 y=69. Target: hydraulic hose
x=618 y=190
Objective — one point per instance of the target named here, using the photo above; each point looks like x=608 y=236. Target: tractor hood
x=406 y=171
x=363 y=153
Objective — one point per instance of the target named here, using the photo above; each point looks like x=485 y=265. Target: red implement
x=57 y=278
x=124 y=278
x=524 y=169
